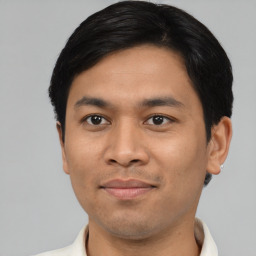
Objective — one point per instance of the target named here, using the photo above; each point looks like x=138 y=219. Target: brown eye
x=158 y=120
x=96 y=120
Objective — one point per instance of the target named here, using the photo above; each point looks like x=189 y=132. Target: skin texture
x=172 y=156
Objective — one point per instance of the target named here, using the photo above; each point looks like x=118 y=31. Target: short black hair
x=131 y=23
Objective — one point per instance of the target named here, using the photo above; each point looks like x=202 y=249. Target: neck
x=179 y=240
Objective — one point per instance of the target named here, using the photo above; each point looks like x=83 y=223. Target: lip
x=127 y=189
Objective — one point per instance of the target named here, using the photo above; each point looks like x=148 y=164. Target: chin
x=130 y=228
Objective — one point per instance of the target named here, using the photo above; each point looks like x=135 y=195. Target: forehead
x=133 y=75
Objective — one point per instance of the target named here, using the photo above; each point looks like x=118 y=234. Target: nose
x=126 y=146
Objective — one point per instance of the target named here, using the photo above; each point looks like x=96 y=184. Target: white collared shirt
x=202 y=235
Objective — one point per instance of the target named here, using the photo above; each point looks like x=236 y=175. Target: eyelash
x=167 y=119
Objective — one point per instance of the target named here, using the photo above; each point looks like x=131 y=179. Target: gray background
x=38 y=210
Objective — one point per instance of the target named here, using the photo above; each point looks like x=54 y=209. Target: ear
x=64 y=159
x=218 y=146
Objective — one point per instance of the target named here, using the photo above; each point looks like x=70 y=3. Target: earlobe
x=64 y=160
x=218 y=146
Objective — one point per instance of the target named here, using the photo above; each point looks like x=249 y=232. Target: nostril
x=126 y=163
x=112 y=161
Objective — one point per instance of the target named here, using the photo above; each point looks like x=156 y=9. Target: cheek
x=82 y=159
x=182 y=160
x=81 y=152
x=182 y=165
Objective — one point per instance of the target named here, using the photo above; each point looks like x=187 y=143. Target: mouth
x=127 y=189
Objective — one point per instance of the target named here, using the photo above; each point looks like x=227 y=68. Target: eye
x=96 y=120
x=158 y=120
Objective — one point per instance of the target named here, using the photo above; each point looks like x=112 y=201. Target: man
x=143 y=98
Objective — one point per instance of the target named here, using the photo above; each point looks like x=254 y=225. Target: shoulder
x=75 y=249
x=59 y=252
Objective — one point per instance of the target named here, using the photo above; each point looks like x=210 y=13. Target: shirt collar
x=204 y=239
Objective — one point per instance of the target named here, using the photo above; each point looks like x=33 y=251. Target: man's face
x=135 y=143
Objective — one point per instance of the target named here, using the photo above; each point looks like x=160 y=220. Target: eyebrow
x=162 y=101
x=85 y=101
x=154 y=102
